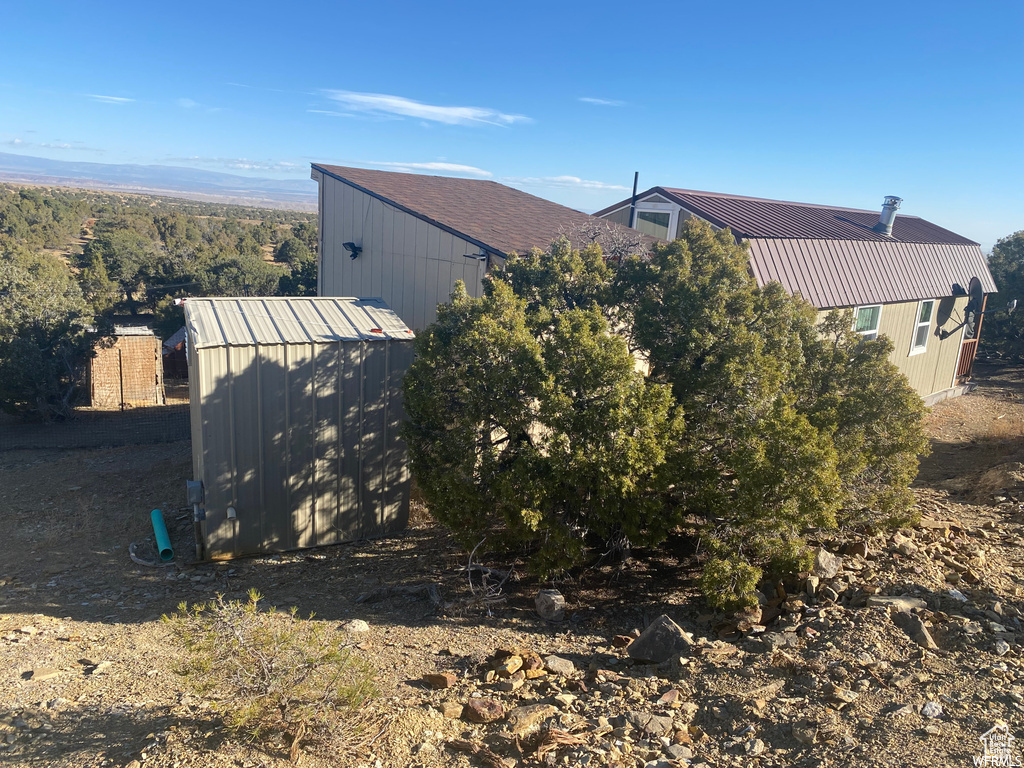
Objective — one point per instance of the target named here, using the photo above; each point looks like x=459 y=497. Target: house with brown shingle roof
x=901 y=276
x=408 y=238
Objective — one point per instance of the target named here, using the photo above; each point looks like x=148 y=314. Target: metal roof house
x=295 y=408
x=408 y=237
x=902 y=276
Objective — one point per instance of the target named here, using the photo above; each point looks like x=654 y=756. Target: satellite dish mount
x=974 y=310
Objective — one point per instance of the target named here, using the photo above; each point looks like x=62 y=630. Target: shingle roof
x=831 y=256
x=497 y=217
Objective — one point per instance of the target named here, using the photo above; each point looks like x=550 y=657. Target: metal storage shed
x=296 y=406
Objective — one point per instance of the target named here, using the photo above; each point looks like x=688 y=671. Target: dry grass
x=419 y=513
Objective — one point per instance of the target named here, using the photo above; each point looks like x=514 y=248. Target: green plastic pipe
x=163 y=541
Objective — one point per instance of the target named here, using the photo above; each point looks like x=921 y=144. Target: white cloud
x=330 y=112
x=384 y=104
x=465 y=170
x=75 y=145
x=560 y=182
x=108 y=99
x=602 y=102
x=239 y=163
x=187 y=103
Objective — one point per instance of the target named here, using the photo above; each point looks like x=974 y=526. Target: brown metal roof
x=497 y=218
x=750 y=217
x=849 y=273
x=831 y=256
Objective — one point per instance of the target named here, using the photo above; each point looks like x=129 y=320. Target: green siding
x=930 y=371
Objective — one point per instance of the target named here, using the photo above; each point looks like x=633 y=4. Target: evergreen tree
x=44 y=343
x=1003 y=332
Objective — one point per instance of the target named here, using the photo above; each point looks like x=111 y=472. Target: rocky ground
x=896 y=650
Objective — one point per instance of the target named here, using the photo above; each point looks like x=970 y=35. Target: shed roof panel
x=223 y=322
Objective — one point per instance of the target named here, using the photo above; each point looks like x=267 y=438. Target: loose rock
x=904 y=603
x=509 y=666
x=827 y=565
x=916 y=630
x=355 y=625
x=438 y=680
x=679 y=752
x=653 y=725
x=451 y=709
x=525 y=719
x=100 y=668
x=805 y=733
x=754 y=747
x=556 y=665
x=662 y=640
x=550 y=605
x=483 y=710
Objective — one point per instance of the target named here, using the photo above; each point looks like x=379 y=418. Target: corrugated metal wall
x=301 y=440
x=408 y=262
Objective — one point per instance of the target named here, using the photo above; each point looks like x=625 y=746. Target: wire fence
x=91 y=428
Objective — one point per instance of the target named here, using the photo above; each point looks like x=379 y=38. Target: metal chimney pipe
x=632 y=204
x=888 y=215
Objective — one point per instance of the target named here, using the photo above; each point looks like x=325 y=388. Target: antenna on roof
x=632 y=205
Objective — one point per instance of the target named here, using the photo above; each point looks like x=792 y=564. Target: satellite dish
x=977 y=295
x=973 y=309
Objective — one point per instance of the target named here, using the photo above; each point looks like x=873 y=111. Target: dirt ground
x=830 y=664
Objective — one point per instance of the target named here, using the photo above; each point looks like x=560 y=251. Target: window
x=657 y=219
x=924 y=324
x=866 y=321
x=653 y=223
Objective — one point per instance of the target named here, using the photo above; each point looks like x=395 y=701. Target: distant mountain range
x=169 y=180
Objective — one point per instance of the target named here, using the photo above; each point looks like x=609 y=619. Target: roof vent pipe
x=888 y=215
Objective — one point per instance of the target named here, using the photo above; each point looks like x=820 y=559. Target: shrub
x=269 y=672
x=791 y=425
x=529 y=423
x=537 y=438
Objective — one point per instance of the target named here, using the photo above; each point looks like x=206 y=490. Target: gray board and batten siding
x=296 y=407
x=410 y=263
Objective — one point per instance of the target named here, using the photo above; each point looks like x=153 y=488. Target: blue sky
x=816 y=102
